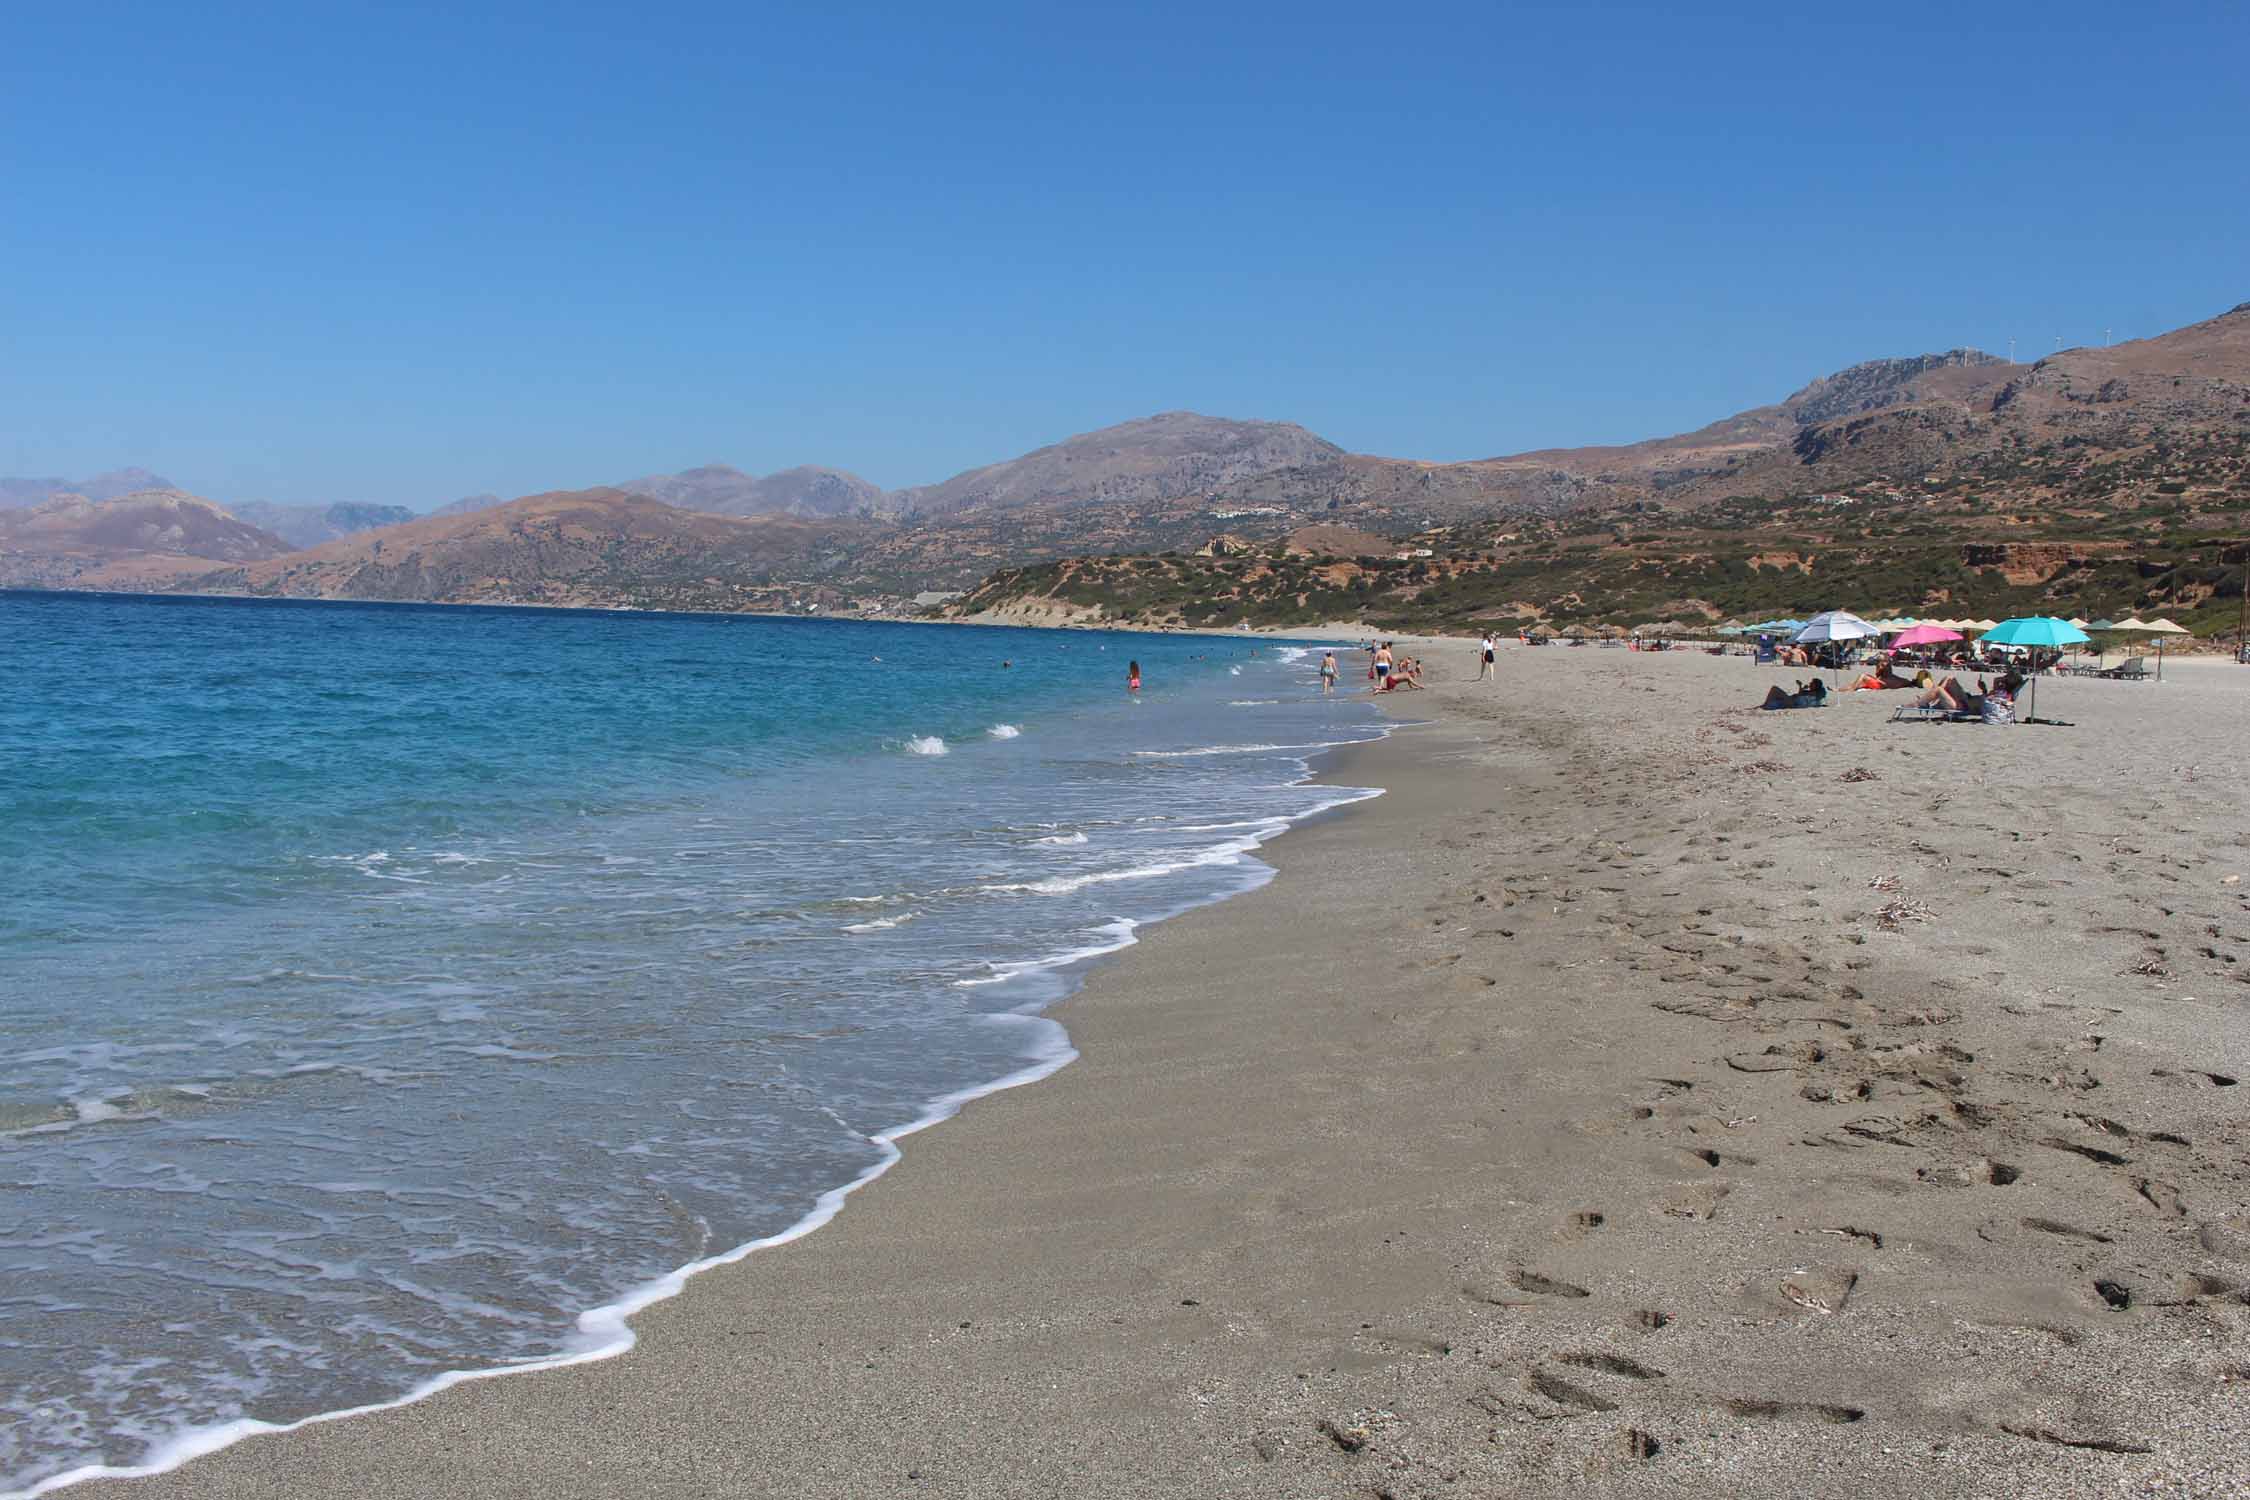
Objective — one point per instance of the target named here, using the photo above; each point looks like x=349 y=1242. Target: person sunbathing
x=1951 y=696
x=1882 y=677
x=1806 y=695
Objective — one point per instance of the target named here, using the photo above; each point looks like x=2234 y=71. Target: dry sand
x=1570 y=1118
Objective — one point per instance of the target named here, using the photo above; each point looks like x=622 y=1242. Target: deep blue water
x=383 y=987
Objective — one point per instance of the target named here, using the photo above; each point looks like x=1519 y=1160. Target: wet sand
x=1637 y=1099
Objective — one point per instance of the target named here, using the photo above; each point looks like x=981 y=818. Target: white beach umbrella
x=1834 y=625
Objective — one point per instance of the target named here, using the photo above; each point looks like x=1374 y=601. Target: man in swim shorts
x=1382 y=666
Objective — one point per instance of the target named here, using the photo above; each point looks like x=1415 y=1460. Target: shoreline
x=1448 y=1202
x=1324 y=633
x=604 y=1332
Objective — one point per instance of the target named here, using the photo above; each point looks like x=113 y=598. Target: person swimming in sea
x=1132 y=677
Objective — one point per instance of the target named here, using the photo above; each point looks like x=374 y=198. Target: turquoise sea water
x=387 y=990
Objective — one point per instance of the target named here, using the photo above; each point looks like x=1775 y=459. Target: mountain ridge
x=149 y=536
x=2151 y=436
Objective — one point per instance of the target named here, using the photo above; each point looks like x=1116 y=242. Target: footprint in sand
x=1610 y=1364
x=1792 y=1411
x=1547 y=1286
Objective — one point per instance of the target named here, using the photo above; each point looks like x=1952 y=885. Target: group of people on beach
x=1391 y=672
x=1992 y=700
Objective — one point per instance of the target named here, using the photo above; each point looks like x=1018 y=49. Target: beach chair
x=2131 y=669
x=1939 y=713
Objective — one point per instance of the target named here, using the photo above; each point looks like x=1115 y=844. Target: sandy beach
x=1648 y=1095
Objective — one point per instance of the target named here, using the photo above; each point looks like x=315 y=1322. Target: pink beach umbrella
x=1925 y=635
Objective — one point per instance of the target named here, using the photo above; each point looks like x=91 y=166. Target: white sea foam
x=1115 y=935
x=880 y=924
x=1234 y=671
x=605 y=1332
x=925 y=744
x=1062 y=838
x=1227 y=853
x=1003 y=731
x=1242 y=749
x=1252 y=702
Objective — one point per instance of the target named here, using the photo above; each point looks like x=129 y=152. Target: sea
x=397 y=994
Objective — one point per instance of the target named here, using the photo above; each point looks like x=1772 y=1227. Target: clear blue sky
x=405 y=252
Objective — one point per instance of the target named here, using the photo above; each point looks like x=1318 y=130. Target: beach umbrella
x=2075 y=620
x=1833 y=625
x=2131 y=622
x=2034 y=631
x=1925 y=635
x=2160 y=627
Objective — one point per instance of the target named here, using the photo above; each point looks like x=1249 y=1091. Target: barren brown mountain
x=114 y=485
x=807 y=491
x=138 y=541
x=311 y=525
x=600 y=547
x=1152 y=460
x=2145 y=442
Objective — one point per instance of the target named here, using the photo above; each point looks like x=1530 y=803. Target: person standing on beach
x=1382 y=666
x=1132 y=677
x=1327 y=673
x=1484 y=674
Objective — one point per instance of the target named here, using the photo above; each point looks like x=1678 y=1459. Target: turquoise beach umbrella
x=2034 y=630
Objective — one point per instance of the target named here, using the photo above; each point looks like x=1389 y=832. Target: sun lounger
x=2131 y=669
x=1937 y=713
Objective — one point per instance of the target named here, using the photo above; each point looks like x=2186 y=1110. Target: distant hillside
x=598 y=547
x=1896 y=462
x=140 y=540
x=110 y=486
x=806 y=491
x=310 y=525
x=1407 y=494
x=1152 y=460
x=469 y=504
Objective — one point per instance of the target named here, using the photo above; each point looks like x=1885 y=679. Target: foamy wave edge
x=605 y=1332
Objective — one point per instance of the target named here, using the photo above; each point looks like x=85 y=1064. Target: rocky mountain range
x=598 y=547
x=468 y=504
x=1152 y=460
x=15 y=493
x=2151 y=436
x=155 y=538
x=310 y=525
x=807 y=491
